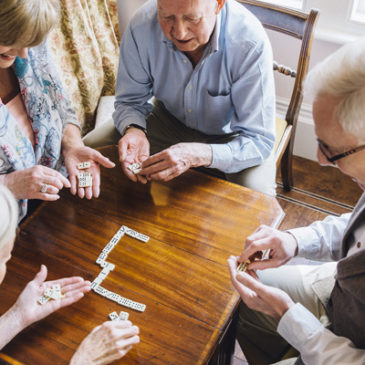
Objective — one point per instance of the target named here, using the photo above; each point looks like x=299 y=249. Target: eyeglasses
x=324 y=149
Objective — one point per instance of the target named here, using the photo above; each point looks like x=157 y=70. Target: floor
x=318 y=191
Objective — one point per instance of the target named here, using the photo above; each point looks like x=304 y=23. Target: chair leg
x=286 y=169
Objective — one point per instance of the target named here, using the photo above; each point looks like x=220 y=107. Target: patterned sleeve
x=59 y=94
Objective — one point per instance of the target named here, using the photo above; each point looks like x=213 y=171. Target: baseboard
x=305 y=144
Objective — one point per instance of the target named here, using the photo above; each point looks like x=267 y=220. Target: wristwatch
x=135 y=126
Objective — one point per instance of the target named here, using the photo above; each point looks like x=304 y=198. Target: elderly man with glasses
x=318 y=310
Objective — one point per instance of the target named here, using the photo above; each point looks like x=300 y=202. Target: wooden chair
x=299 y=25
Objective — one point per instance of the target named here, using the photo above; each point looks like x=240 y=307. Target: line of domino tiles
x=107 y=267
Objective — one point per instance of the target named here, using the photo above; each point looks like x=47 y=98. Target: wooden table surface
x=194 y=223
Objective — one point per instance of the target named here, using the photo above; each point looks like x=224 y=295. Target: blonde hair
x=25 y=23
x=342 y=75
x=8 y=216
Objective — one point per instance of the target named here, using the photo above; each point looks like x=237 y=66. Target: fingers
x=45 y=197
x=102 y=160
x=55 y=178
x=128 y=342
x=257 y=241
x=133 y=148
x=165 y=165
x=50 y=180
x=232 y=265
x=70 y=299
x=64 y=282
x=252 y=286
x=142 y=179
x=265 y=264
x=122 y=149
x=243 y=291
x=73 y=181
x=73 y=291
x=84 y=286
x=131 y=176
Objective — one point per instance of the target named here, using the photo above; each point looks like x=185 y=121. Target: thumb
x=41 y=275
x=122 y=147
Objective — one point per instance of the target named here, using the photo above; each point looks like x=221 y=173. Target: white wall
x=284 y=48
x=126 y=9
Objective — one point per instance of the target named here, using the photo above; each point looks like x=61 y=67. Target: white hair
x=342 y=75
x=8 y=216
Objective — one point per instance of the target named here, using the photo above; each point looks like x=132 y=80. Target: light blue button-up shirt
x=230 y=90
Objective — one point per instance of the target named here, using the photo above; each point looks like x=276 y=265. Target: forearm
x=125 y=115
x=316 y=344
x=71 y=138
x=202 y=155
x=322 y=239
x=239 y=154
x=11 y=325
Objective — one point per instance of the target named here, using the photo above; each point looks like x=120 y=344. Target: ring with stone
x=44 y=188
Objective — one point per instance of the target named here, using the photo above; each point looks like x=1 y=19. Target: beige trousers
x=164 y=130
x=310 y=285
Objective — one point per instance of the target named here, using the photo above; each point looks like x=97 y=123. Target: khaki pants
x=164 y=130
x=311 y=285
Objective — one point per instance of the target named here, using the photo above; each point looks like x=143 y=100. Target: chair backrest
x=298 y=25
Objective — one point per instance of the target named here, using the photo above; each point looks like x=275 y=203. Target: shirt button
x=185 y=61
x=190 y=87
x=358 y=244
x=189 y=110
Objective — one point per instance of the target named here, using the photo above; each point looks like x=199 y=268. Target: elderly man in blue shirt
x=208 y=65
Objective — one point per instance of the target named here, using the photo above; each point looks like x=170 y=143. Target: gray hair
x=25 y=23
x=342 y=75
x=8 y=216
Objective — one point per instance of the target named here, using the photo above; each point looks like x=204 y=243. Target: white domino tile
x=123 y=316
x=84 y=165
x=108 y=266
x=114 y=316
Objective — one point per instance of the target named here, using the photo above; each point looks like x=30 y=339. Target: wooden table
x=194 y=222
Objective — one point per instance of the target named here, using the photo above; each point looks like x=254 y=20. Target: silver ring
x=44 y=188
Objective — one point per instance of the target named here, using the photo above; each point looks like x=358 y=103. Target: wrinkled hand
x=282 y=245
x=27 y=310
x=27 y=184
x=106 y=343
x=133 y=148
x=266 y=299
x=175 y=160
x=78 y=154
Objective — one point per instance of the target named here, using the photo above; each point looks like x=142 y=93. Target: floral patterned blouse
x=49 y=108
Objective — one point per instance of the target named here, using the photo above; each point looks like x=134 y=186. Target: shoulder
x=37 y=59
x=145 y=17
x=242 y=29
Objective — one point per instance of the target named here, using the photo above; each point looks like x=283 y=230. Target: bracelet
x=135 y=126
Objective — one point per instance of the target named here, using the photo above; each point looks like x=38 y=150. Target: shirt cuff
x=307 y=240
x=123 y=124
x=220 y=153
x=297 y=325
